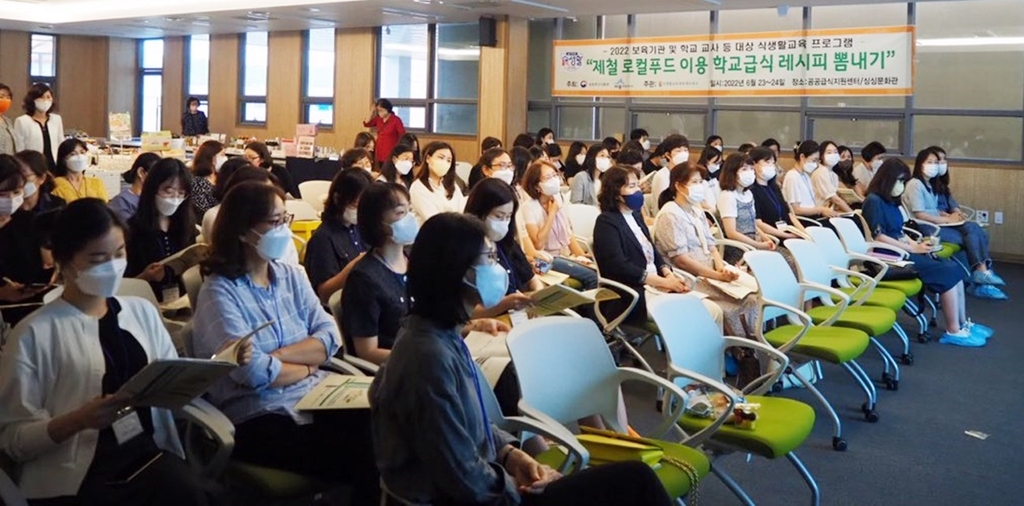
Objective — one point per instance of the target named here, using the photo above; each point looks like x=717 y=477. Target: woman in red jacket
x=389 y=128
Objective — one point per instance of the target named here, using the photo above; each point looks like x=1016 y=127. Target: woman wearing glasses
x=246 y=286
x=496 y=163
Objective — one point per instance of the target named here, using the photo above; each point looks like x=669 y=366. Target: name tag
x=518 y=317
x=170 y=294
x=780 y=224
x=127 y=427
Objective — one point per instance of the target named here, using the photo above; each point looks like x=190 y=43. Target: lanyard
x=513 y=281
x=479 y=393
x=775 y=201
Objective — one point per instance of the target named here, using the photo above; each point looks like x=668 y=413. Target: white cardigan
x=28 y=135
x=53 y=364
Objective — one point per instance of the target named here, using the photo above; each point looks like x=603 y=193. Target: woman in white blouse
x=797 y=188
x=39 y=129
x=736 y=206
x=683 y=237
x=435 y=189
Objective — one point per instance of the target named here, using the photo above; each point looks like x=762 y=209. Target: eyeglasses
x=503 y=165
x=284 y=219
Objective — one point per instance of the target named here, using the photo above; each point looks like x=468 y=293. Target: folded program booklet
x=186 y=258
x=556 y=298
x=490 y=353
x=338 y=391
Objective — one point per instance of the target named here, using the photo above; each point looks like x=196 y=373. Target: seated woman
x=736 y=207
x=930 y=181
x=682 y=235
x=775 y=216
x=710 y=163
x=246 y=286
x=430 y=386
x=336 y=245
x=398 y=167
x=127 y=202
x=435 y=189
x=259 y=156
x=548 y=227
x=574 y=159
x=494 y=162
x=359 y=158
x=584 y=187
x=844 y=173
x=882 y=212
x=825 y=181
x=206 y=165
x=220 y=189
x=61 y=417
x=797 y=187
x=163 y=226
x=70 y=182
x=410 y=139
x=623 y=247
x=673 y=150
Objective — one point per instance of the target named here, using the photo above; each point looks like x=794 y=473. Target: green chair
x=695 y=349
x=573 y=377
x=781 y=295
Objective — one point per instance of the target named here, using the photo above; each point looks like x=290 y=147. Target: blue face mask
x=634 y=201
x=274 y=243
x=404 y=230
x=491 y=283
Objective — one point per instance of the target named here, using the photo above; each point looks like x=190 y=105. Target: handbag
x=895 y=273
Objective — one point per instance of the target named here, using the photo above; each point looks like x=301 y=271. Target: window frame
x=307 y=100
x=50 y=81
x=187 y=74
x=141 y=75
x=244 y=99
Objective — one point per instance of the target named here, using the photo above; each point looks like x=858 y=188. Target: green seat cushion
x=573 y=283
x=262 y=481
x=836 y=345
x=909 y=287
x=947 y=251
x=782 y=425
x=873 y=321
x=880 y=297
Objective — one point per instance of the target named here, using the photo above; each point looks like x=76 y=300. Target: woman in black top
x=398 y=167
x=336 y=245
x=769 y=203
x=258 y=155
x=574 y=159
x=163 y=226
x=194 y=122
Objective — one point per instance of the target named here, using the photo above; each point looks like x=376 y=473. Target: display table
x=309 y=169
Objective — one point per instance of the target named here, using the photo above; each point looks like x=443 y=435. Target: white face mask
x=219 y=162
x=102 y=280
x=831 y=159
x=747 y=178
x=876 y=164
x=77 y=163
x=810 y=166
x=646 y=144
x=504 y=175
x=351 y=215
x=403 y=166
x=550 y=187
x=897 y=189
x=497 y=229
x=273 y=244
x=30 y=189
x=930 y=170
x=714 y=167
x=695 y=193
x=768 y=172
x=43 y=105
x=168 y=206
x=943 y=168
x=438 y=168
x=580 y=158
x=603 y=164
x=680 y=158
x=719 y=148
x=10 y=205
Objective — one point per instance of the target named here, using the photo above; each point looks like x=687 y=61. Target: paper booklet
x=890 y=259
x=173 y=383
x=954 y=224
x=338 y=391
x=555 y=298
x=490 y=353
x=738 y=289
x=186 y=258
x=795 y=231
x=553 y=278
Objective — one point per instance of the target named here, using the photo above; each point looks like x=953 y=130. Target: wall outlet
x=982 y=216
x=999 y=217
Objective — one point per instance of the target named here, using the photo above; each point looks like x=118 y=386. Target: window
x=254 y=57
x=197 y=70
x=737 y=127
x=857 y=132
x=43 y=59
x=976 y=137
x=151 y=84
x=663 y=124
x=431 y=75
x=318 y=79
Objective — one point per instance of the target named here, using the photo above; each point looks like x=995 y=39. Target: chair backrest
x=193 y=280
x=565 y=369
x=582 y=218
x=775 y=279
x=463 y=169
x=302 y=210
x=831 y=247
x=313 y=193
x=692 y=339
x=811 y=264
x=852 y=237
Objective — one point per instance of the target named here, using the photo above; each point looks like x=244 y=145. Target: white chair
x=313 y=193
x=193 y=280
x=334 y=304
x=302 y=210
x=462 y=170
x=582 y=218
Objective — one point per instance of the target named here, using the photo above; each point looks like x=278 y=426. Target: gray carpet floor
x=918 y=452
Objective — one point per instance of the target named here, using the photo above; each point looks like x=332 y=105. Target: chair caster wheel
x=777 y=387
x=923 y=338
x=871 y=416
x=838 y=444
x=867 y=408
x=892 y=384
x=907 y=359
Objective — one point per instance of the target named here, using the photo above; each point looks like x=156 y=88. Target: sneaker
x=978 y=329
x=986 y=278
x=988 y=292
x=962 y=338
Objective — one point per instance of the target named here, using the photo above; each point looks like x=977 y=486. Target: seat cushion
x=873 y=321
x=575 y=284
x=909 y=287
x=782 y=425
x=262 y=481
x=880 y=297
x=947 y=251
x=836 y=345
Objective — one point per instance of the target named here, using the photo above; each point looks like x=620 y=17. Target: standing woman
x=39 y=129
x=584 y=187
x=70 y=182
x=398 y=168
x=259 y=156
x=193 y=121
x=389 y=128
x=736 y=207
x=431 y=433
x=207 y=162
x=435 y=190
x=7 y=146
x=61 y=417
x=126 y=203
x=163 y=226
x=336 y=245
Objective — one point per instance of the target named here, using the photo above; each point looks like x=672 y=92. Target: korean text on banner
x=847 y=61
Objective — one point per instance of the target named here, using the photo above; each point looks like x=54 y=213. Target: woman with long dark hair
x=435 y=189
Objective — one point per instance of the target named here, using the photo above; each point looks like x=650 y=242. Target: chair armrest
x=760 y=385
x=883 y=267
x=804 y=318
x=875 y=245
x=579 y=457
x=585 y=244
x=363 y=365
x=204 y=415
x=339 y=366
x=913 y=233
x=735 y=244
x=690 y=279
x=807 y=221
x=866 y=288
x=844 y=299
x=672 y=415
x=702 y=435
x=608 y=326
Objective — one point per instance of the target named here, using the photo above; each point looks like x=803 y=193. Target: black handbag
x=894 y=273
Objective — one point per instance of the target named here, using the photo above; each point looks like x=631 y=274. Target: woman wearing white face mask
x=496 y=163
x=436 y=189
x=711 y=162
x=797 y=188
x=825 y=182
x=774 y=214
x=208 y=160
x=20 y=263
x=399 y=167
x=574 y=159
x=674 y=150
x=60 y=415
x=246 y=286
x=336 y=246
x=40 y=128
x=584 y=185
x=736 y=207
x=71 y=183
x=126 y=203
x=162 y=226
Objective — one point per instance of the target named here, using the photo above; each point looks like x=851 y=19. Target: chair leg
x=732 y=485
x=888 y=360
x=808 y=478
x=868 y=408
x=838 y=443
x=922 y=321
x=907 y=358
